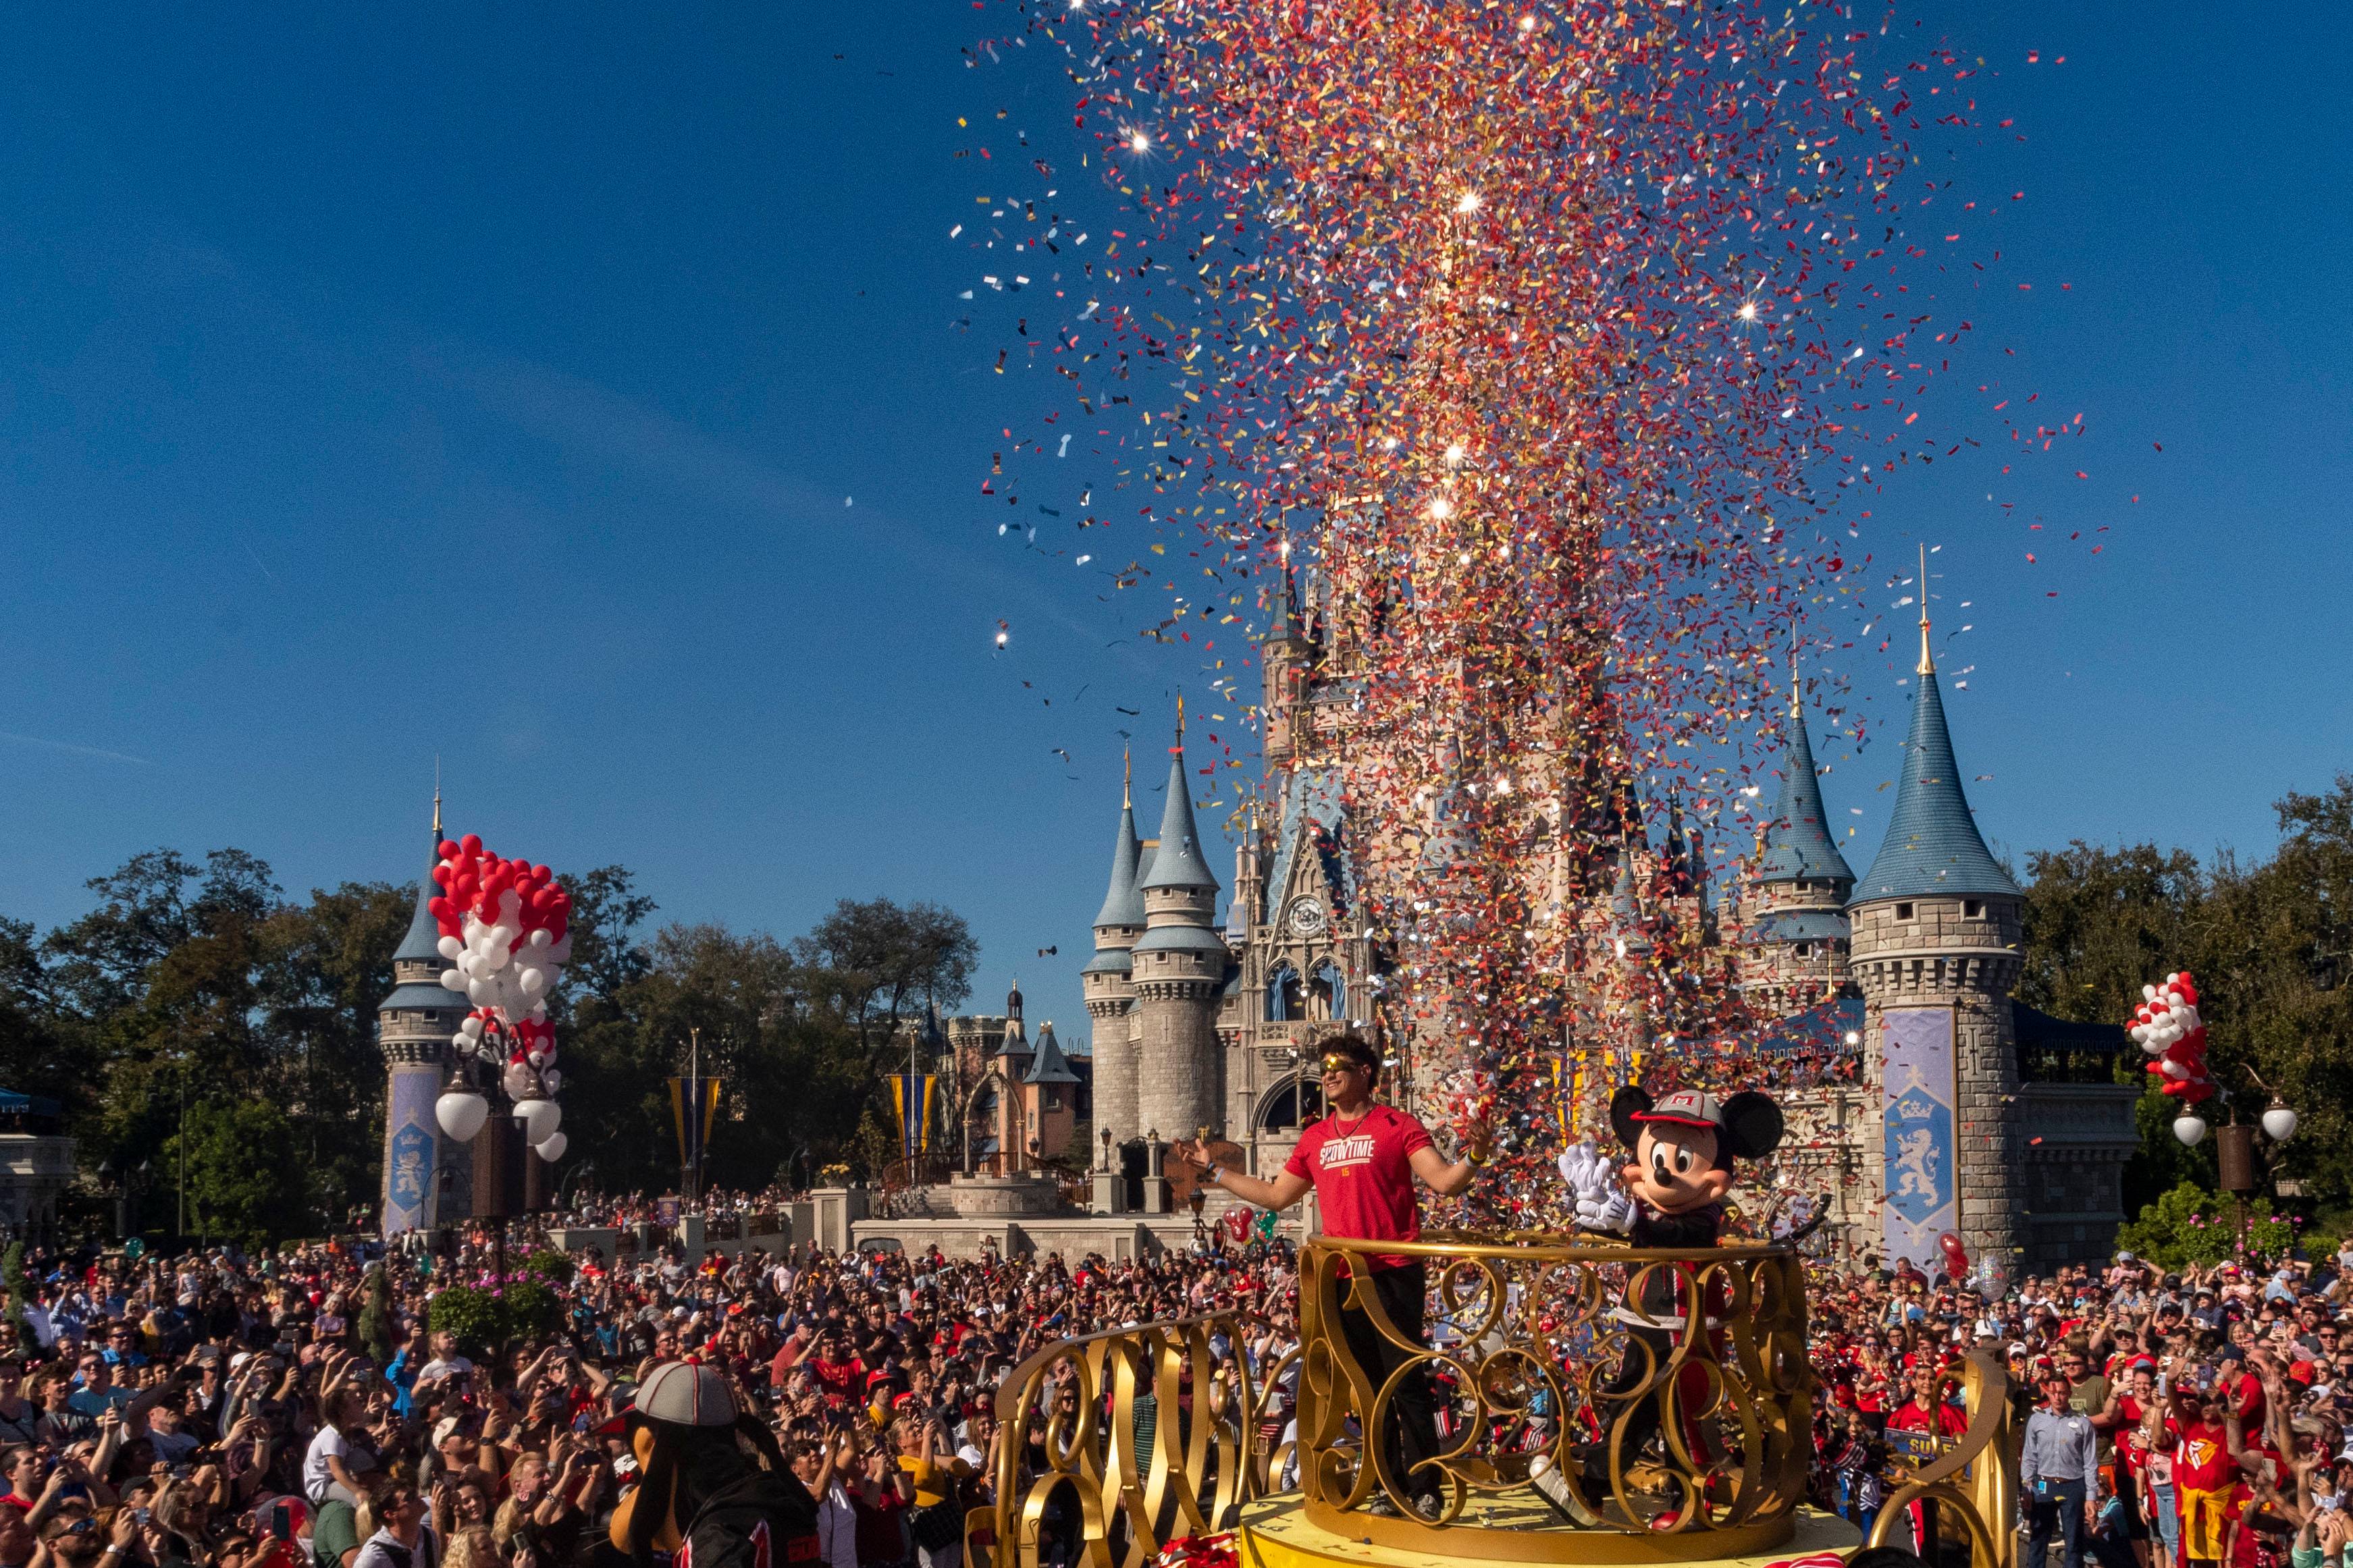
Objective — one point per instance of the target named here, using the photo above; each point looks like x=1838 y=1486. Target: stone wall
x=1961 y=954
x=2075 y=1139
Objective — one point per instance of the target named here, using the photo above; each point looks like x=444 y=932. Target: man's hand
x=1601 y=1204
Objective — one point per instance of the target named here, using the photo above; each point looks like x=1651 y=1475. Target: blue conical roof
x=1798 y=846
x=1122 y=905
x=422 y=941
x=1177 y=862
x=1933 y=845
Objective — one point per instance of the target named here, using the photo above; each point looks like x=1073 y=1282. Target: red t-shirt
x=2202 y=1462
x=1364 y=1177
x=1947 y=1421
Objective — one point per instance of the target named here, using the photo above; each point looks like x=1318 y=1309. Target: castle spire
x=1927 y=661
x=1177 y=862
x=1933 y=845
x=1797 y=844
x=1122 y=903
x=1126 y=778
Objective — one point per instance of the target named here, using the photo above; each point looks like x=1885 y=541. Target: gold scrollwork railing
x=1670 y=1392
x=1972 y=1481
x=1553 y=1349
x=1146 y=1435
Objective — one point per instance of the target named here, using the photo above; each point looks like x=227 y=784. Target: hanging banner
x=1923 y=1170
x=409 y=1148
x=693 y=1131
x=915 y=1131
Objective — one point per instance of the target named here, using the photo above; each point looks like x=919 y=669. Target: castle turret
x=1177 y=969
x=1282 y=655
x=1797 y=939
x=1106 y=983
x=1935 y=934
x=413 y=1028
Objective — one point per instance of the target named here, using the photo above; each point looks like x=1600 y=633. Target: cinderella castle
x=1922 y=1098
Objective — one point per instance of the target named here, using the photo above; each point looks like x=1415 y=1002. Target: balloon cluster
x=2166 y=1027
x=506 y=930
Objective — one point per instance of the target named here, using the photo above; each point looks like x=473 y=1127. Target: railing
x=1973 y=1478
x=1665 y=1397
x=1148 y=1435
x=1574 y=1353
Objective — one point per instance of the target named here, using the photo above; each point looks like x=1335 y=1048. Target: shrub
x=475 y=1316
x=548 y=1266
x=2190 y=1225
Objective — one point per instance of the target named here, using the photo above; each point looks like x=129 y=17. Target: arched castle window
x=1327 y=994
x=1291 y=1103
x=1283 y=999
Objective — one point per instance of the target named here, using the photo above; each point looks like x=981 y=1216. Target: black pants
x=2060 y=1504
x=1410 y=1433
x=1642 y=1416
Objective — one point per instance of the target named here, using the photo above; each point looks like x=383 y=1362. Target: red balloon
x=471 y=844
x=447 y=850
x=1956 y=1254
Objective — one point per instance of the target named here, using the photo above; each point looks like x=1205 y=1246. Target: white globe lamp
x=539 y=1118
x=2279 y=1121
x=2190 y=1128
x=461 y=1112
x=552 y=1150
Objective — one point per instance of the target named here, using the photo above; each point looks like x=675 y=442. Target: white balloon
x=449 y=947
x=552 y=1079
x=539 y=1118
x=472 y=1026
x=451 y=980
x=552 y=1150
x=539 y=939
x=481 y=992
x=461 y=1114
x=532 y=980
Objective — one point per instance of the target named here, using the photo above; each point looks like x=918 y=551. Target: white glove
x=1601 y=1204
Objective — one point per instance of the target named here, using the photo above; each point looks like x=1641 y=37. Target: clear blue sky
x=492 y=385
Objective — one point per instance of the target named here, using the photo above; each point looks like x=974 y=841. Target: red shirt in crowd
x=1363 y=1173
x=2202 y=1462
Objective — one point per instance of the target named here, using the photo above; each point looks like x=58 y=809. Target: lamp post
x=2236 y=1150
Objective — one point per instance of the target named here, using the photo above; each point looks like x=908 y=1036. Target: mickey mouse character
x=1683 y=1148
x=1672 y=1196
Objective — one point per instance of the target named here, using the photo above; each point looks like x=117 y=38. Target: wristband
x=1215 y=1176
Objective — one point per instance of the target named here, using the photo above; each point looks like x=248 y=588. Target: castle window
x=1054 y=1100
x=1902 y=911
x=1805 y=950
x=1284 y=1003
x=1971 y=909
x=1327 y=992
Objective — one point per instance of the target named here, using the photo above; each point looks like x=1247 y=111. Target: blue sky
x=577 y=393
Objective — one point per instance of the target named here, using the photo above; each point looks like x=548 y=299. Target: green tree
x=323 y=969
x=242 y=1186
x=606 y=909
x=791 y=1075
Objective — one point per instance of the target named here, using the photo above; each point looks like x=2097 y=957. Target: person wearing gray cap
x=715 y=1490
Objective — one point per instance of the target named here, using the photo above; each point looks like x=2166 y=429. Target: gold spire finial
x=1180 y=719
x=436 y=798
x=1126 y=778
x=1927 y=661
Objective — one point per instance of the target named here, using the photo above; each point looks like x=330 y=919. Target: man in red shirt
x=1362 y=1161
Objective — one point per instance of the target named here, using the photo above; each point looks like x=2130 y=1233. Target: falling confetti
x=1529 y=372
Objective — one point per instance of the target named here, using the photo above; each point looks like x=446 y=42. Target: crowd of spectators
x=220 y=1409
x=2160 y=1417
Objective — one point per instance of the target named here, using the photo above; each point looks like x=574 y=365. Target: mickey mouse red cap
x=1687 y=1107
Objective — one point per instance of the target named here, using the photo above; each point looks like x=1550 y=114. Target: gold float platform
x=1514 y=1528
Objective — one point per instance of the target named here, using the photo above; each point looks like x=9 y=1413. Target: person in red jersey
x=1362 y=1161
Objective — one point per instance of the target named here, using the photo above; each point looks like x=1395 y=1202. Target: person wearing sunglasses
x=1362 y=1161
